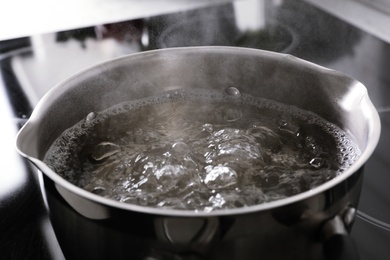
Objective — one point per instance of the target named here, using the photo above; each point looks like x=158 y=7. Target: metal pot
x=290 y=228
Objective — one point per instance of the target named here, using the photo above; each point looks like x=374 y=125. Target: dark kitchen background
x=42 y=43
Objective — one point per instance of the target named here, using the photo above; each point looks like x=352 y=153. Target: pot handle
x=337 y=244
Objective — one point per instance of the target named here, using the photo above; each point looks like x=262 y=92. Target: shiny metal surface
x=283 y=78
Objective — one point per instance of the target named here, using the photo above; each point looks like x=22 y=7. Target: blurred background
x=43 y=42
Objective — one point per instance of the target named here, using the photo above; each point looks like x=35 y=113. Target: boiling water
x=201 y=151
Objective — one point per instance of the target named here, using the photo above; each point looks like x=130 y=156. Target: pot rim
x=373 y=137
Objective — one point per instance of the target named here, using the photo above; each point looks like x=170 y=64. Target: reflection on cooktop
x=371 y=230
x=375 y=197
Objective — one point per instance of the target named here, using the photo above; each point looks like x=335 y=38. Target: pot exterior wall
x=288 y=232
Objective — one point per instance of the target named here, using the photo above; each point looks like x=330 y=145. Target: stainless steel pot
x=289 y=228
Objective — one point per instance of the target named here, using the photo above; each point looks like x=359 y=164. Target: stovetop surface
x=31 y=66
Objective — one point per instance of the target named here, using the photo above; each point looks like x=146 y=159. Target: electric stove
x=30 y=66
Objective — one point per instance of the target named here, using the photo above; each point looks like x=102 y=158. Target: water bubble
x=316 y=162
x=219 y=177
x=256 y=132
x=310 y=143
x=91 y=116
x=104 y=150
x=98 y=190
x=289 y=127
x=235 y=143
x=207 y=128
x=180 y=149
x=232 y=91
x=143 y=183
x=193 y=202
x=168 y=176
x=217 y=201
x=172 y=202
x=262 y=132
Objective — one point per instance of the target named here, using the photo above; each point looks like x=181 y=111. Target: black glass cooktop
x=29 y=67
